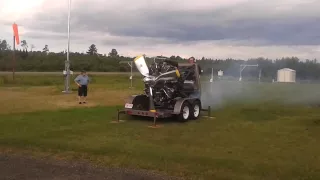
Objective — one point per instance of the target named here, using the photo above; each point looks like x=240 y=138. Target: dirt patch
x=70 y=104
x=15 y=100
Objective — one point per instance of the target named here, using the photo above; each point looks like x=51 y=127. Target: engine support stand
x=118 y=117
x=155 y=122
x=209 y=113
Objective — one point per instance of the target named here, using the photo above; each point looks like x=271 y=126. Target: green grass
x=261 y=142
x=114 y=81
x=260 y=131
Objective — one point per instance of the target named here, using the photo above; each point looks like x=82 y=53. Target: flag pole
x=15 y=40
x=13 y=57
x=67 y=63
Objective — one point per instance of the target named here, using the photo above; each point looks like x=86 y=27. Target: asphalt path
x=13 y=167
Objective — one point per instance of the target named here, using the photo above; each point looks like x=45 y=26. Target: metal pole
x=259 y=75
x=118 y=118
x=131 y=74
x=211 y=80
x=67 y=64
x=131 y=71
x=240 y=77
x=14 y=57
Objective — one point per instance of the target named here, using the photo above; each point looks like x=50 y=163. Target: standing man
x=82 y=80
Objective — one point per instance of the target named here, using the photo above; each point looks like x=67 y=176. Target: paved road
x=25 y=168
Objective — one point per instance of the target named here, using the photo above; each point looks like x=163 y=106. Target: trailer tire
x=184 y=115
x=195 y=110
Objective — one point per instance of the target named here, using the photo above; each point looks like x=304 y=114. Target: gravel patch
x=14 y=167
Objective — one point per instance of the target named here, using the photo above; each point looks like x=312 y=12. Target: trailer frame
x=160 y=113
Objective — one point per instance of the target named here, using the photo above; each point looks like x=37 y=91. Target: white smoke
x=222 y=93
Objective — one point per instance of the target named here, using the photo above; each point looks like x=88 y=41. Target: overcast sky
x=211 y=28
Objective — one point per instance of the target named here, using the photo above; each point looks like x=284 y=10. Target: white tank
x=286 y=75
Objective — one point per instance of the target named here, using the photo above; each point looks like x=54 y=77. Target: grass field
x=260 y=131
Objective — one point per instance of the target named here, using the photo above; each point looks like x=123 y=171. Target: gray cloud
x=249 y=21
x=224 y=29
x=41 y=35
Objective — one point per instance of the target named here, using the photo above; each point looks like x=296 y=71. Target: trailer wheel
x=184 y=112
x=195 y=111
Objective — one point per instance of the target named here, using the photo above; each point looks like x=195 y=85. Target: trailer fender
x=140 y=102
x=178 y=104
x=129 y=102
x=130 y=99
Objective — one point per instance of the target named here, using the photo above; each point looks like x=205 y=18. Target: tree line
x=28 y=60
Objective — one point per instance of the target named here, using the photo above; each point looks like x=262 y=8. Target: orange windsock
x=16 y=33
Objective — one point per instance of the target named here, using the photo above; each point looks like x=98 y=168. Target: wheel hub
x=196 y=110
x=185 y=112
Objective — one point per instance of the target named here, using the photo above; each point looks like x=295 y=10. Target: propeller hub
x=149 y=79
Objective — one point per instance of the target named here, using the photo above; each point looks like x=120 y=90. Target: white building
x=286 y=75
